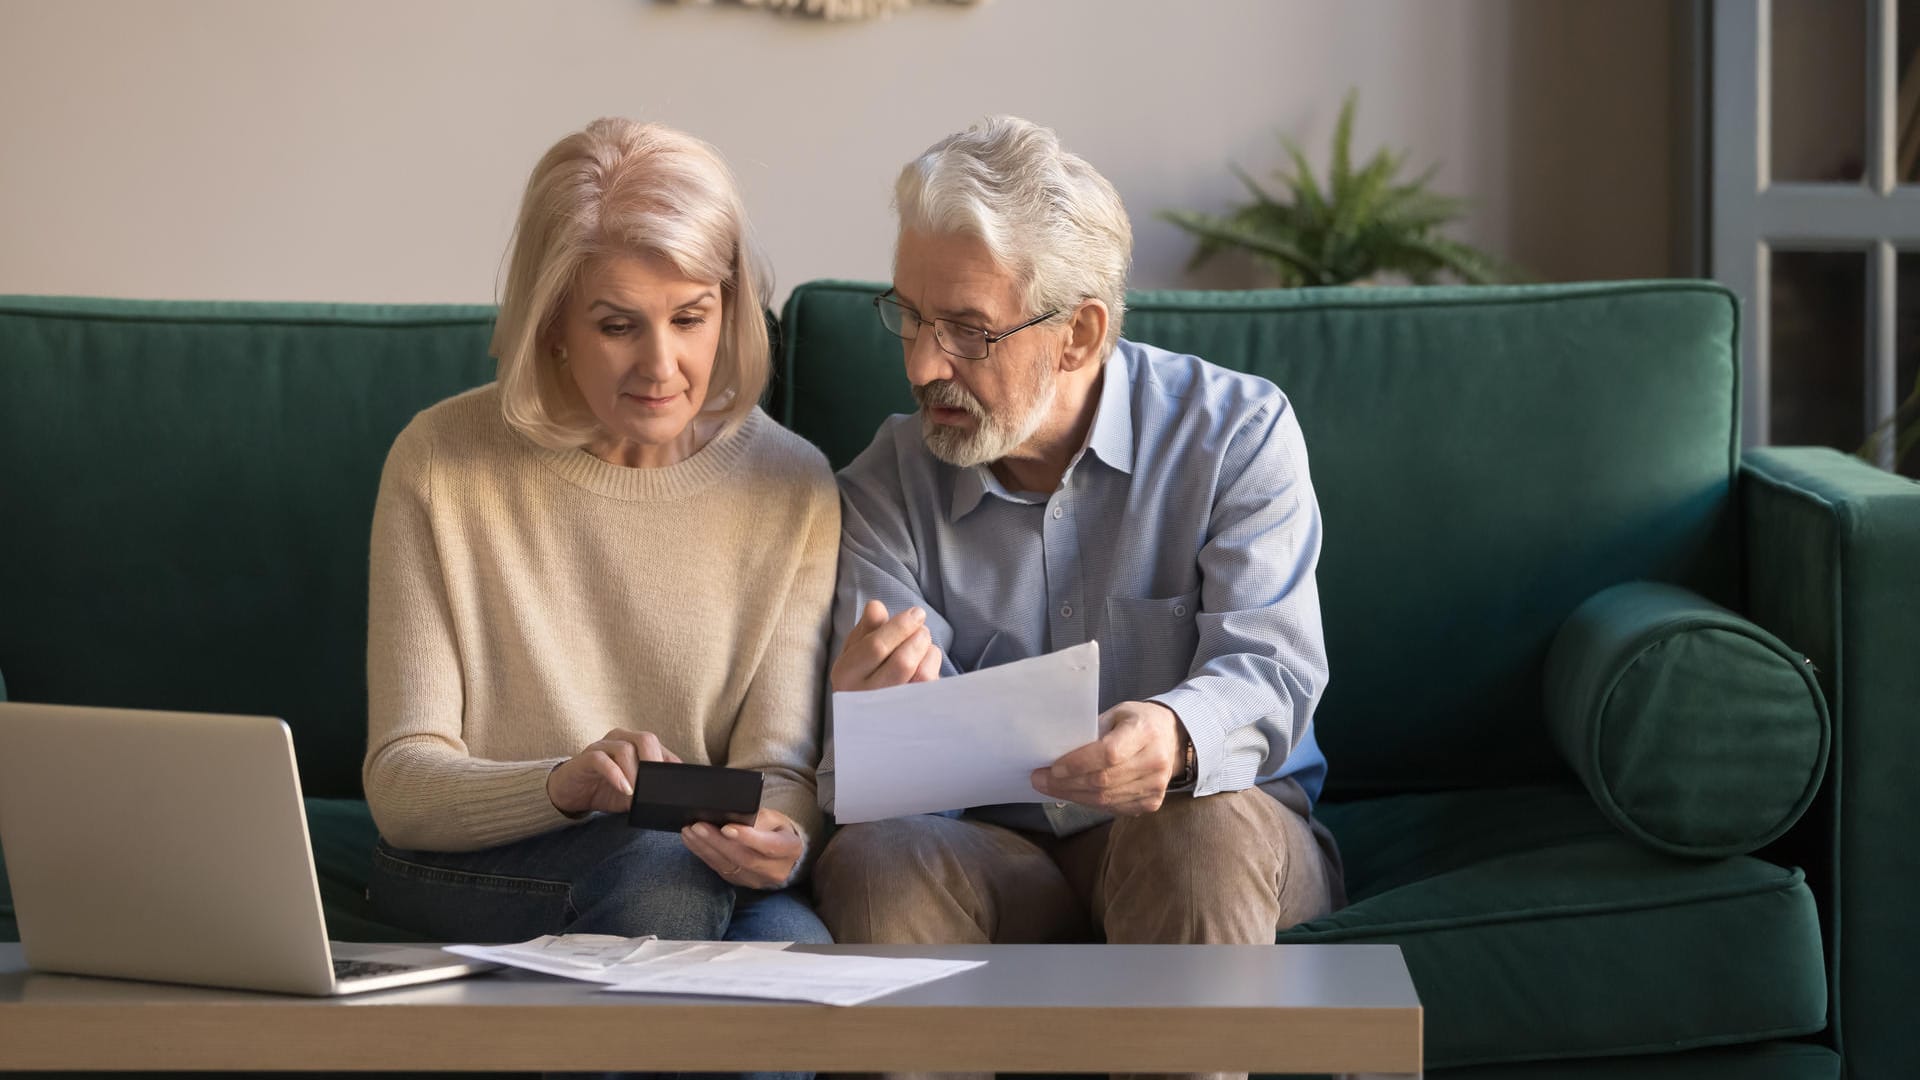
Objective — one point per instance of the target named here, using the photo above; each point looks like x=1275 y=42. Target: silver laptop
x=173 y=847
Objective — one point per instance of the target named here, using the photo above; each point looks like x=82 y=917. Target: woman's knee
x=653 y=885
x=778 y=916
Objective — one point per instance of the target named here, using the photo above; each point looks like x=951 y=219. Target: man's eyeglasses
x=955 y=339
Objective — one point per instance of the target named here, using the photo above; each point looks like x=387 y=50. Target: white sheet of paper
x=787 y=976
x=968 y=740
x=755 y=969
x=601 y=958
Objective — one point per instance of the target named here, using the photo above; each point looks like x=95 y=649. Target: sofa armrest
x=1833 y=567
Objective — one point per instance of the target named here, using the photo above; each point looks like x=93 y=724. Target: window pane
x=1817 y=356
x=1819 y=81
x=1906 y=66
x=1906 y=343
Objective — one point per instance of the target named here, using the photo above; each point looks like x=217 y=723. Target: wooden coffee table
x=1032 y=1008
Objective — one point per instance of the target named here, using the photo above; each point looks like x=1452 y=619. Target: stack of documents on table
x=962 y=741
x=647 y=965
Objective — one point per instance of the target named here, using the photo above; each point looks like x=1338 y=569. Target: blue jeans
x=601 y=877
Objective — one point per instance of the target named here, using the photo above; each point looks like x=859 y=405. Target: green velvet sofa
x=186 y=488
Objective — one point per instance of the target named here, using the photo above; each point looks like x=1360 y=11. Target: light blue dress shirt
x=1183 y=538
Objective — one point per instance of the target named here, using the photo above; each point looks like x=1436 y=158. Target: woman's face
x=638 y=341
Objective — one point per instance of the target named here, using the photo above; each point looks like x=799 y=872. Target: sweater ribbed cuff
x=797 y=803
x=502 y=801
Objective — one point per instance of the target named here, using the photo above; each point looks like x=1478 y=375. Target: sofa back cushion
x=185 y=496
x=1485 y=460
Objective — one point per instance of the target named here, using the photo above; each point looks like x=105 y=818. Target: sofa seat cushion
x=1534 y=931
x=1756 y=1061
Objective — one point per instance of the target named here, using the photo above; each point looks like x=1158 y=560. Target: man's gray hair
x=1044 y=213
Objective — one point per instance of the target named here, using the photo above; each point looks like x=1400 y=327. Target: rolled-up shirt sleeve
x=1260 y=665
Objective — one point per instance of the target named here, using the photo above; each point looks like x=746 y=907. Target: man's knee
x=896 y=851
x=878 y=878
x=1217 y=833
x=1210 y=869
x=936 y=879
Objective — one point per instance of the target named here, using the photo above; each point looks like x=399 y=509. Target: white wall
x=366 y=150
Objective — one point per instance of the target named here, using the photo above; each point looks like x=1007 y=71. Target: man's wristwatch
x=1189 y=773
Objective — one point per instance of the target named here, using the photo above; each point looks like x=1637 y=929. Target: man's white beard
x=993 y=437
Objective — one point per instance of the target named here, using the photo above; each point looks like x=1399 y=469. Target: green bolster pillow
x=1697 y=732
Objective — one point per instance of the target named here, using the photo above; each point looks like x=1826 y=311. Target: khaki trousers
x=1230 y=868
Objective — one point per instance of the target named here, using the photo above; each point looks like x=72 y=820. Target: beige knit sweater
x=525 y=602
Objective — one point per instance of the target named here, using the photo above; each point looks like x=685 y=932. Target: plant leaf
x=1197 y=224
x=1260 y=194
x=1902 y=423
x=1342 y=168
x=1226 y=233
x=1467 y=263
x=1365 y=193
x=1909 y=438
x=1413 y=210
x=1306 y=192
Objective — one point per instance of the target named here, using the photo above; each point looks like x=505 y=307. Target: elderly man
x=1061 y=484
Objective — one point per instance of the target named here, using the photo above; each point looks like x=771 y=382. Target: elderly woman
x=611 y=555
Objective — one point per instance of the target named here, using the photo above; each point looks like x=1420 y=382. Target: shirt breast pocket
x=1149 y=645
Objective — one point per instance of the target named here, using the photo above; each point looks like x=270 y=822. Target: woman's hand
x=601 y=776
x=760 y=856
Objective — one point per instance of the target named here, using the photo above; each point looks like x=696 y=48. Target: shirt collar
x=1110 y=439
x=1112 y=436
x=968 y=487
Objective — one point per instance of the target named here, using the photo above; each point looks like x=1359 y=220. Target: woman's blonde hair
x=619 y=187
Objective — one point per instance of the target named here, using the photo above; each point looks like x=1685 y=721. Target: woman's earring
x=560 y=354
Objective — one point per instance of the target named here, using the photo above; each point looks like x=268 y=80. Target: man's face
x=973 y=412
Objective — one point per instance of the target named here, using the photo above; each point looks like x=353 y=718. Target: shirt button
x=1059 y=806
x=1058 y=512
x=1179 y=609
x=1066 y=611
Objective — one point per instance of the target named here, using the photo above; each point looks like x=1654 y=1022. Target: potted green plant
x=1360 y=225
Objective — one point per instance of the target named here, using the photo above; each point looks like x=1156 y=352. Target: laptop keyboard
x=360 y=969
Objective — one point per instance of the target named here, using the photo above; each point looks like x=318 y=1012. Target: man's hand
x=601 y=776
x=760 y=857
x=1126 y=770
x=882 y=652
